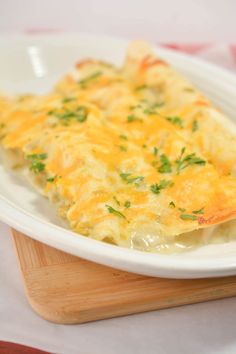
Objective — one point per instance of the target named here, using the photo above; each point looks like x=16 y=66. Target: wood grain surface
x=65 y=289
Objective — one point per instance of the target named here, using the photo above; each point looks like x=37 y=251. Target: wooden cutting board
x=66 y=289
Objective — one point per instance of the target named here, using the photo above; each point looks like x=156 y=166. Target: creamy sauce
x=217 y=234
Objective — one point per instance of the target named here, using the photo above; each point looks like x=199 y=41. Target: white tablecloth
x=207 y=328
x=157 y=20
x=201 y=328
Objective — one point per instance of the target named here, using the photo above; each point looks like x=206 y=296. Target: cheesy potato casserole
x=134 y=156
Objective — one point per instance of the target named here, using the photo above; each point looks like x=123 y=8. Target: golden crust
x=218 y=218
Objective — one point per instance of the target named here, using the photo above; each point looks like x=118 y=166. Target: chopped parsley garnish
x=79 y=114
x=139 y=105
x=68 y=99
x=188 y=160
x=42 y=156
x=195 y=126
x=176 y=121
x=144 y=146
x=188 y=217
x=114 y=211
x=132 y=118
x=116 y=200
x=147 y=107
x=156 y=188
x=124 y=137
x=128 y=179
x=2 y=126
x=182 y=210
x=142 y=87
x=36 y=162
x=127 y=204
x=65 y=116
x=155 y=151
x=199 y=211
x=123 y=148
x=151 y=108
x=185 y=216
x=51 y=179
x=165 y=166
x=89 y=78
x=189 y=89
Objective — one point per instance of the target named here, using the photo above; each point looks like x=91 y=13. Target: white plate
x=33 y=64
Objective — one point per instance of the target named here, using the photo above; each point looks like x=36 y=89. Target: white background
x=158 y=20
x=204 y=328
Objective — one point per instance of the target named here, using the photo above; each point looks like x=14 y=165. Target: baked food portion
x=133 y=156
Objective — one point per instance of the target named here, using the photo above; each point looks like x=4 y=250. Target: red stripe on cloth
x=188 y=48
x=14 y=348
x=232 y=48
x=44 y=31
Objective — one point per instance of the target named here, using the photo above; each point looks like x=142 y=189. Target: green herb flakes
x=185 y=161
x=116 y=200
x=176 y=121
x=123 y=148
x=188 y=217
x=68 y=99
x=142 y=87
x=151 y=108
x=128 y=179
x=132 y=118
x=156 y=188
x=182 y=210
x=195 y=126
x=36 y=162
x=189 y=89
x=124 y=137
x=51 y=179
x=155 y=151
x=165 y=166
x=114 y=211
x=199 y=211
x=79 y=114
x=89 y=78
x=127 y=204
x=42 y=156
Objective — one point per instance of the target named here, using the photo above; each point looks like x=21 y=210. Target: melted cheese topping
x=133 y=156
